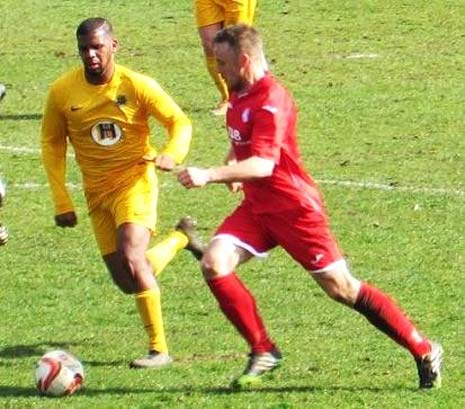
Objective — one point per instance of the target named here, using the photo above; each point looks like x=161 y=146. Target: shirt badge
x=106 y=133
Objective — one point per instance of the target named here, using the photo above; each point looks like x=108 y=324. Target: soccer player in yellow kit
x=103 y=109
x=211 y=17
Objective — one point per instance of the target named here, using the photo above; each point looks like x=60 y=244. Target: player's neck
x=101 y=78
x=251 y=77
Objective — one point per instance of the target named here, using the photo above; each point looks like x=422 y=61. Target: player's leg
x=306 y=236
x=210 y=19
x=123 y=240
x=133 y=240
x=133 y=274
x=226 y=251
x=142 y=285
x=105 y=233
x=183 y=237
x=240 y=12
x=381 y=311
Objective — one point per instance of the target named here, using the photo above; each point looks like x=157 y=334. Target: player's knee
x=131 y=261
x=340 y=287
x=337 y=294
x=212 y=267
x=127 y=287
x=208 y=269
x=125 y=283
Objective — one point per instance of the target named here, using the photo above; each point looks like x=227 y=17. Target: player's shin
x=162 y=253
x=238 y=305
x=385 y=315
x=149 y=305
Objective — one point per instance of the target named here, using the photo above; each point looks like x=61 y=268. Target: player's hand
x=193 y=177
x=235 y=187
x=68 y=219
x=165 y=162
x=3 y=235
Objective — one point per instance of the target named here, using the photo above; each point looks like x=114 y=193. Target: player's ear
x=244 y=60
x=115 y=45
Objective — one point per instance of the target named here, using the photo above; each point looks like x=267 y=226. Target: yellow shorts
x=136 y=203
x=228 y=12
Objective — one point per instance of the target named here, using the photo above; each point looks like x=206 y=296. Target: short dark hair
x=241 y=38
x=93 y=24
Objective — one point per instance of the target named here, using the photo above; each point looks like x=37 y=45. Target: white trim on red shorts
x=335 y=264
x=239 y=243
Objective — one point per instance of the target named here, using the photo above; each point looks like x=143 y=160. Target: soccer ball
x=59 y=373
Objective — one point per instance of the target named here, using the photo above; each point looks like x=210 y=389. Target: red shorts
x=304 y=233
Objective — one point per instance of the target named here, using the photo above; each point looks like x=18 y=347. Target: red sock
x=239 y=306
x=385 y=315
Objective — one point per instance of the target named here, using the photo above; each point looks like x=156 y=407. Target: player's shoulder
x=275 y=89
x=138 y=79
x=71 y=76
x=272 y=94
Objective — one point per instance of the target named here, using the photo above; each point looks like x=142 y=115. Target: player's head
x=239 y=53
x=97 y=46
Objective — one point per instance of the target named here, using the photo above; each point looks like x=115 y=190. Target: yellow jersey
x=107 y=125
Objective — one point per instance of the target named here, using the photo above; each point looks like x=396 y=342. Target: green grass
x=380 y=90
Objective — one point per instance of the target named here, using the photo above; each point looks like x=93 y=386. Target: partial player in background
x=2 y=91
x=3 y=229
x=282 y=207
x=103 y=109
x=212 y=16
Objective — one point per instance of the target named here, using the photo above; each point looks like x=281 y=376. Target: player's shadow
x=119 y=362
x=38 y=349
x=12 y=391
x=20 y=117
x=16 y=392
x=89 y=391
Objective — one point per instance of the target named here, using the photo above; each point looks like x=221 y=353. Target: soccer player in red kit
x=282 y=207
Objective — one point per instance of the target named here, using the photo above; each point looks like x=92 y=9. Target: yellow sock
x=219 y=81
x=162 y=253
x=149 y=305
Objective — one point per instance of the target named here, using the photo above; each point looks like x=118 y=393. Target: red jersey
x=262 y=122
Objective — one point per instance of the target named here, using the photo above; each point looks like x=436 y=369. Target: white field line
x=364 y=185
x=356 y=56
x=339 y=183
x=25 y=150
x=431 y=191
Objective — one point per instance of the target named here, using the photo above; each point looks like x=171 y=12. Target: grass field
x=380 y=90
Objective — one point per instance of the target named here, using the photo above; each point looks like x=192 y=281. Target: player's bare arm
x=248 y=169
x=165 y=162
